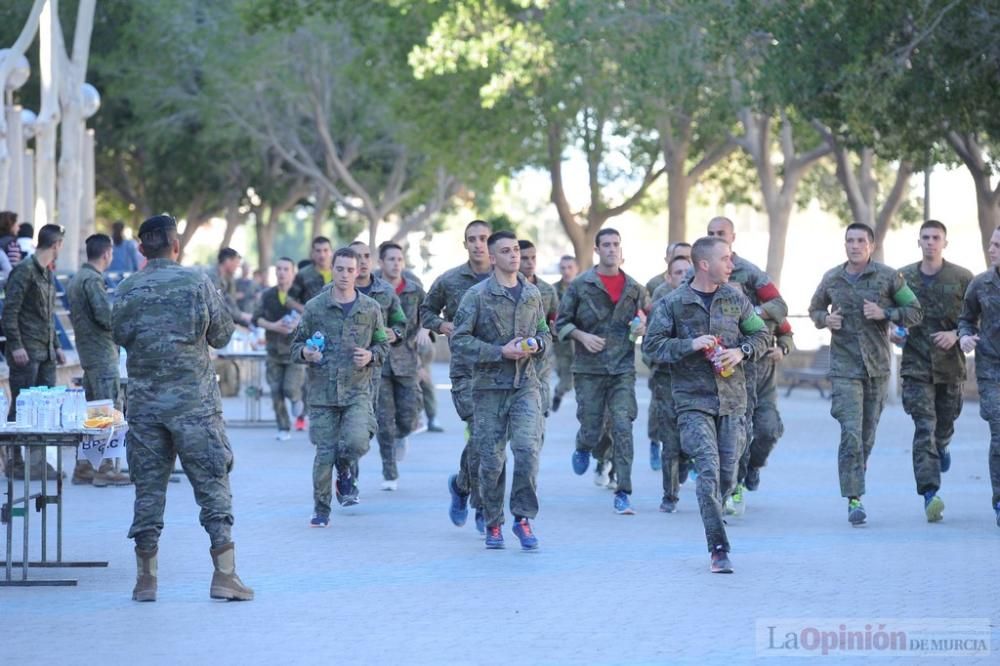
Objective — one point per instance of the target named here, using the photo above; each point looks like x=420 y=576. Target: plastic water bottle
x=901 y=333
x=317 y=342
x=634 y=326
x=529 y=345
x=23 y=406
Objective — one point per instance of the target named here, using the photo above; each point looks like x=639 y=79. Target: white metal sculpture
x=53 y=183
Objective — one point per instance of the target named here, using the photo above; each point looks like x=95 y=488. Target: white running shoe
x=283 y=436
x=601 y=474
x=390 y=485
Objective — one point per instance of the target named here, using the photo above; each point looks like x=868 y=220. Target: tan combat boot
x=225 y=583
x=145 y=579
x=83 y=473
x=107 y=475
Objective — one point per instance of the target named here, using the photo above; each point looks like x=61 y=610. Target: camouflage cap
x=161 y=223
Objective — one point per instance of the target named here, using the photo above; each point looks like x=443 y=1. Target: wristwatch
x=746 y=349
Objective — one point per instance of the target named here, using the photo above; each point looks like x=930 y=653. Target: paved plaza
x=393 y=582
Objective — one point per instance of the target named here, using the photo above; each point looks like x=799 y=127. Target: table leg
x=8 y=566
x=59 y=506
x=27 y=513
x=45 y=492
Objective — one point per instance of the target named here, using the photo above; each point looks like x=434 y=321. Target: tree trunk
x=320 y=211
x=779 y=212
x=678 y=188
x=890 y=207
x=233 y=221
x=265 y=238
x=987 y=197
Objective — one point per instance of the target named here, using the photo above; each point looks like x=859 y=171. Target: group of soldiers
x=712 y=334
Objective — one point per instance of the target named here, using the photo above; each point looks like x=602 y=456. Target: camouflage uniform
x=425 y=353
x=29 y=323
x=341 y=418
x=550 y=302
x=399 y=397
x=506 y=392
x=440 y=306
x=307 y=284
x=563 y=352
x=860 y=355
x=933 y=377
x=608 y=377
x=227 y=289
x=90 y=313
x=656 y=281
x=284 y=378
x=662 y=425
x=762 y=417
x=166 y=317
x=710 y=408
x=981 y=316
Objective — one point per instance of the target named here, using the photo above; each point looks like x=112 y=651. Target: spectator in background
x=8 y=241
x=125 y=257
x=25 y=239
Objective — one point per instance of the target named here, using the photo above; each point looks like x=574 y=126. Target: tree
x=547 y=69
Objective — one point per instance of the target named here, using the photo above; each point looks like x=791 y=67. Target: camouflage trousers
x=989 y=410
x=207 y=459
x=764 y=421
x=611 y=396
x=513 y=415
x=713 y=443
x=468 y=462
x=20 y=377
x=396 y=414
x=666 y=430
x=857 y=404
x=934 y=409
x=563 y=352
x=285 y=381
x=103 y=384
x=426 y=383
x=341 y=436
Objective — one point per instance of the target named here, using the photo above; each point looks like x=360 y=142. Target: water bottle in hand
x=900 y=333
x=317 y=342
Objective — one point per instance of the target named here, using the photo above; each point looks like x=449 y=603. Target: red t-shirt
x=615 y=284
x=401 y=287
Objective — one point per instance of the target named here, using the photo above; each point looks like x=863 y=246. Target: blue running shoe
x=945 y=459
x=494 y=538
x=480 y=521
x=319 y=521
x=933 y=507
x=581 y=461
x=522 y=530
x=654 y=456
x=459 y=509
x=856 y=512
x=997 y=509
x=347 y=488
x=623 y=506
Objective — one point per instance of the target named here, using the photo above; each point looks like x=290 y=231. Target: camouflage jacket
x=29 y=311
x=550 y=298
x=384 y=294
x=655 y=282
x=661 y=291
x=441 y=304
x=270 y=308
x=336 y=381
x=228 y=292
x=861 y=348
x=487 y=319
x=942 y=303
x=90 y=312
x=404 y=359
x=587 y=306
x=166 y=317
x=981 y=316
x=307 y=284
x=757 y=286
x=680 y=318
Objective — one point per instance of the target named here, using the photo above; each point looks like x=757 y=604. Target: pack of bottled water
x=46 y=408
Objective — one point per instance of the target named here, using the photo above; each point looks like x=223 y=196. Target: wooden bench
x=815 y=374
